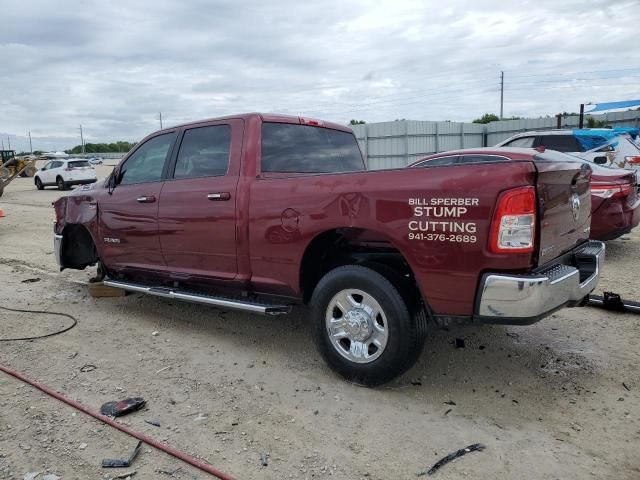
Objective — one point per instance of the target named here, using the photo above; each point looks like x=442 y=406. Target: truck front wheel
x=362 y=326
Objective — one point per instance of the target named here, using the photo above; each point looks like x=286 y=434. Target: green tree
x=357 y=122
x=593 y=123
x=487 y=118
x=118 y=146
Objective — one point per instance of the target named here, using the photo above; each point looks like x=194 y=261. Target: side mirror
x=600 y=160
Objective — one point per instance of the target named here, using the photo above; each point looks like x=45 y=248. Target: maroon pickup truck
x=261 y=212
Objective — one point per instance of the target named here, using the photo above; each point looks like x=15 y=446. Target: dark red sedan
x=615 y=203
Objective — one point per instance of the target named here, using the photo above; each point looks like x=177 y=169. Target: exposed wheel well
x=355 y=246
x=78 y=248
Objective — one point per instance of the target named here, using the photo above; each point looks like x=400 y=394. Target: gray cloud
x=112 y=66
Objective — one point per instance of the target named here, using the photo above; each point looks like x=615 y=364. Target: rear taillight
x=514 y=222
x=634 y=160
x=68 y=169
x=611 y=190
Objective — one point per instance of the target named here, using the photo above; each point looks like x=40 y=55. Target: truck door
x=197 y=211
x=128 y=217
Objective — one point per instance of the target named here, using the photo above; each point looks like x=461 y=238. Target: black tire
x=404 y=341
x=61 y=184
x=39 y=184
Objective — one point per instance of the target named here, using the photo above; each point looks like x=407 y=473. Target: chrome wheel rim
x=357 y=326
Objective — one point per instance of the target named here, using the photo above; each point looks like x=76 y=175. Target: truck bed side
x=446 y=209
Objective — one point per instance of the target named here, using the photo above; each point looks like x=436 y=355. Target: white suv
x=65 y=172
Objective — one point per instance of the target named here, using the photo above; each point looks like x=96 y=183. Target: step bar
x=167 y=292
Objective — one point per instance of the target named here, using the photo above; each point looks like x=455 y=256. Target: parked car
x=261 y=212
x=64 y=173
x=615 y=204
x=95 y=160
x=615 y=147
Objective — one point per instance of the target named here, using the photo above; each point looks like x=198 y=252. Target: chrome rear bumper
x=525 y=299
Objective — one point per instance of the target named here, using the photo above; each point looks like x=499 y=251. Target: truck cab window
x=287 y=147
x=146 y=163
x=204 y=152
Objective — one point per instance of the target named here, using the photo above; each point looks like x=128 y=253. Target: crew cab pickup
x=262 y=212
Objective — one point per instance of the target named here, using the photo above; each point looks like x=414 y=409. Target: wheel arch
x=79 y=248
x=358 y=246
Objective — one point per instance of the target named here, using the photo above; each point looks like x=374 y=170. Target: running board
x=262 y=308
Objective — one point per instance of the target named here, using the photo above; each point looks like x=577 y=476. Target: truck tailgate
x=564 y=203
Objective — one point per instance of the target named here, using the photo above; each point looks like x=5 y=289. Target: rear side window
x=306 y=149
x=204 y=152
x=438 y=162
x=481 y=159
x=78 y=164
x=146 y=163
x=524 y=142
x=561 y=143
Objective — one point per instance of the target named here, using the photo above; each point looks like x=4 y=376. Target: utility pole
x=160 y=120
x=30 y=145
x=581 y=119
x=501 y=94
x=82 y=139
x=9 y=142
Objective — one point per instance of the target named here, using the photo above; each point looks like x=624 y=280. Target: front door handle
x=218 y=197
x=146 y=199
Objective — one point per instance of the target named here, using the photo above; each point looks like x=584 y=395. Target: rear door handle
x=218 y=197
x=146 y=199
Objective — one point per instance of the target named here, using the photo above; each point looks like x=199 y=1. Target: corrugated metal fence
x=396 y=144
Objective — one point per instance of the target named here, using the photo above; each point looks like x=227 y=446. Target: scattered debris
x=264 y=459
x=124 y=475
x=171 y=473
x=450 y=402
x=25 y=446
x=87 y=368
x=82 y=446
x=200 y=417
x=625 y=386
x=31 y=280
x=416 y=383
x=481 y=347
x=155 y=423
x=51 y=476
x=123 y=407
x=122 y=462
x=155 y=333
x=448 y=411
x=31 y=475
x=476 y=447
x=460 y=343
x=72 y=355
x=163 y=369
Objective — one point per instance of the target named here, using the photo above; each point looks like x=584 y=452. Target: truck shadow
x=478 y=368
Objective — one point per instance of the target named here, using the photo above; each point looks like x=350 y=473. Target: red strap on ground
x=205 y=467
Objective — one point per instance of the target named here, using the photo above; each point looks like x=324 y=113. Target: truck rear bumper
x=525 y=299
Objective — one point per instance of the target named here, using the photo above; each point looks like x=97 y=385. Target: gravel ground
x=549 y=400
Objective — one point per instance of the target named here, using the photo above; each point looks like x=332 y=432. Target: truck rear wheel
x=362 y=326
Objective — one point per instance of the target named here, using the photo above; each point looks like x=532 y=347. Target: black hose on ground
x=18 y=310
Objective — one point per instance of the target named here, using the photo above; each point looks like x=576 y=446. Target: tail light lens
x=514 y=222
x=611 y=190
x=634 y=160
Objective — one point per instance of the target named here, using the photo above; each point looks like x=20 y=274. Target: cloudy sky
x=112 y=66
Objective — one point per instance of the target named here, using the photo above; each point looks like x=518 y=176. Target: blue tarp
x=597 y=137
x=601 y=107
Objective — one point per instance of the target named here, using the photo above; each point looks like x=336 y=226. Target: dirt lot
x=547 y=400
